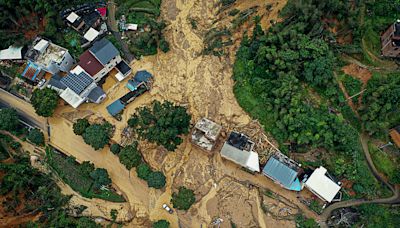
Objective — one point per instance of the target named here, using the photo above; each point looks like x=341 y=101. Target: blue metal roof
x=280 y=172
x=132 y=84
x=142 y=76
x=104 y=51
x=115 y=108
x=77 y=83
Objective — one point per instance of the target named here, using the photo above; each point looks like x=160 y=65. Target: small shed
x=115 y=108
x=91 y=34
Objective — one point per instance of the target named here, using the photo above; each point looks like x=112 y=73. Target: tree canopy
x=97 y=135
x=183 y=199
x=115 y=148
x=44 y=101
x=100 y=178
x=8 y=119
x=156 y=180
x=80 y=126
x=161 y=224
x=162 y=123
x=36 y=137
x=130 y=156
x=143 y=171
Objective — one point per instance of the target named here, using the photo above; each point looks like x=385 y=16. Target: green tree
x=113 y=214
x=44 y=101
x=143 y=171
x=8 y=119
x=100 y=177
x=161 y=224
x=164 y=45
x=97 y=136
x=86 y=167
x=156 y=180
x=130 y=156
x=183 y=199
x=36 y=137
x=162 y=123
x=115 y=148
x=80 y=126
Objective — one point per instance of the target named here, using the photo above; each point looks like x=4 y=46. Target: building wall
x=107 y=68
x=67 y=62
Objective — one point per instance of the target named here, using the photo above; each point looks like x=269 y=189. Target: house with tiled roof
x=101 y=58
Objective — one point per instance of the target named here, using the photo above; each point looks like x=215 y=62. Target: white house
x=321 y=185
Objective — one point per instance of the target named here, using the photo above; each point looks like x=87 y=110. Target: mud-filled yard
x=203 y=84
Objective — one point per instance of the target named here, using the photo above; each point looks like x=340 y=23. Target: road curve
x=394 y=199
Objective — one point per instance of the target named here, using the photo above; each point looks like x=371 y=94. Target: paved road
x=394 y=199
x=24 y=109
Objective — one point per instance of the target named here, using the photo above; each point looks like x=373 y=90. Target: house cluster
x=76 y=82
x=88 y=20
x=239 y=149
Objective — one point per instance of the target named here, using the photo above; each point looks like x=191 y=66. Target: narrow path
x=394 y=199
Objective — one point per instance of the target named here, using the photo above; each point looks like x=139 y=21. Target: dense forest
x=28 y=191
x=285 y=77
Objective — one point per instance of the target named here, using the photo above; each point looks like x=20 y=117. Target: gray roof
x=77 y=83
x=55 y=81
x=104 y=51
x=280 y=172
x=95 y=94
x=240 y=157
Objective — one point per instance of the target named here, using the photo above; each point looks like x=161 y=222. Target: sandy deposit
x=204 y=85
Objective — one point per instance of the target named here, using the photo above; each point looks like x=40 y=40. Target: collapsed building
x=205 y=134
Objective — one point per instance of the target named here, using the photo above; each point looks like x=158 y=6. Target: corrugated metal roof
x=95 y=94
x=142 y=76
x=104 y=51
x=247 y=159
x=115 y=108
x=280 y=172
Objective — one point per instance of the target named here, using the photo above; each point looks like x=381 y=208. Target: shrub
x=183 y=199
x=100 y=178
x=233 y=12
x=164 y=45
x=36 y=137
x=115 y=148
x=80 y=126
x=156 y=180
x=143 y=171
x=8 y=119
x=161 y=224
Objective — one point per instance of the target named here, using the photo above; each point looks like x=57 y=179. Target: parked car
x=41 y=82
x=167 y=208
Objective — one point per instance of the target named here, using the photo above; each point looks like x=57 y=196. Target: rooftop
x=77 y=82
x=284 y=173
x=44 y=52
x=91 y=34
x=72 y=17
x=31 y=71
x=322 y=185
x=11 y=53
x=247 y=159
x=89 y=63
x=240 y=141
x=104 y=51
x=115 y=108
x=210 y=128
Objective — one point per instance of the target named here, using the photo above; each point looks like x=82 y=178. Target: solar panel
x=77 y=83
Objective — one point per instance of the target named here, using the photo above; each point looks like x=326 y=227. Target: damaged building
x=205 y=134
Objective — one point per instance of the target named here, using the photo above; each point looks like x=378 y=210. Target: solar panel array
x=77 y=83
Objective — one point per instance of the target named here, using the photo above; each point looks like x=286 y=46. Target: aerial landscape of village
x=200 y=113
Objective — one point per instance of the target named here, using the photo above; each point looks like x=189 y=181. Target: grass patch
x=72 y=174
x=383 y=162
x=352 y=85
